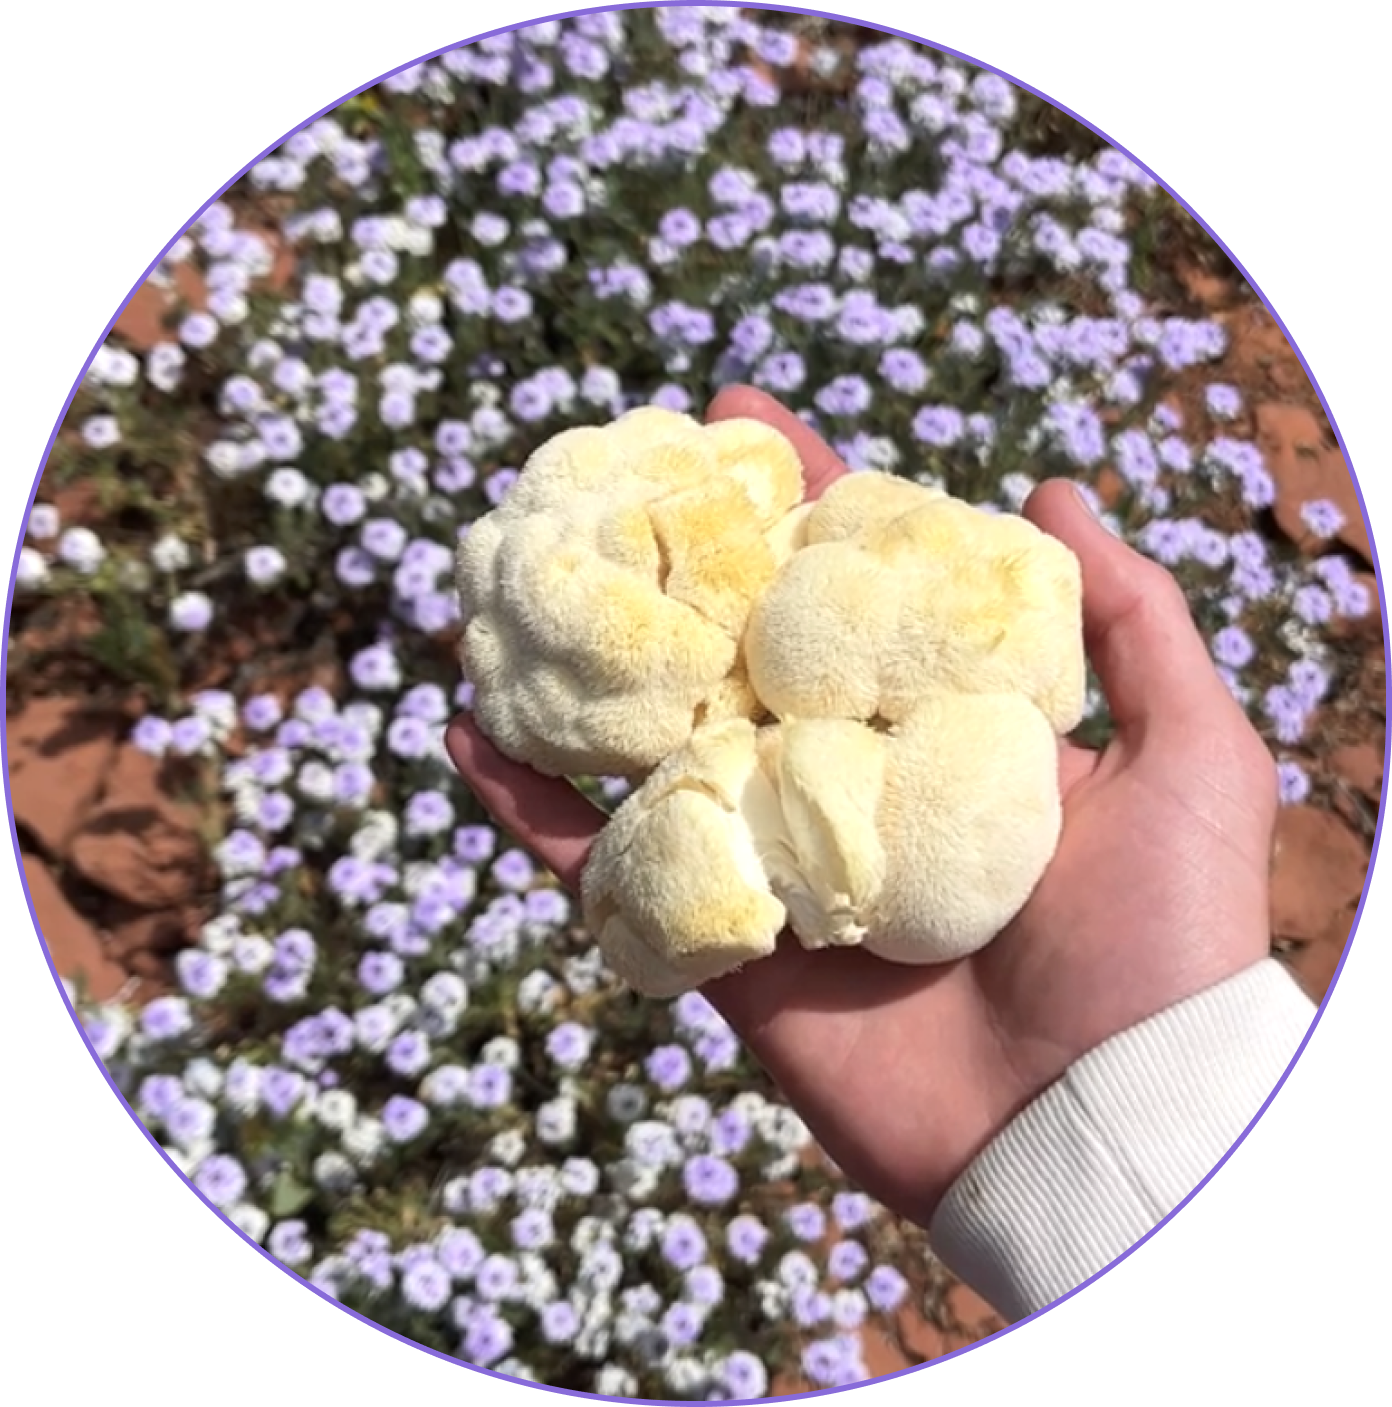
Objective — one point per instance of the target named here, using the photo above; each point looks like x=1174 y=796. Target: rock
x=148 y=965
x=1319 y=866
x=1110 y=487
x=139 y=843
x=164 y=932
x=1306 y=467
x=72 y=942
x=1359 y=765
x=142 y=321
x=139 y=854
x=1314 y=964
x=60 y=753
x=136 y=778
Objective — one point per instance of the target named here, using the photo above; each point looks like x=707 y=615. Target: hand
x=1157 y=891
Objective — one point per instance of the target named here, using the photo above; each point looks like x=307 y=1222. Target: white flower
x=249 y=1218
x=502 y=1050
x=1015 y=488
x=772 y=1298
x=686 y=1376
x=264 y=566
x=246 y=800
x=288 y=487
x=45 y=522
x=336 y=1110
x=219 y=934
x=417 y=240
x=101 y=431
x=425 y=310
x=579 y=1177
x=187 y=1162
x=201 y=1077
x=115 y=1027
x=556 y=1121
x=224 y=458
x=645 y=1225
x=881 y=453
x=31 y=571
x=537 y=991
x=443 y=1087
x=613 y=1381
x=170 y=553
x=241 y=1088
x=82 y=550
x=333 y=1172
x=507 y=1148
x=364 y=1140
x=164 y=365
x=782 y=1128
x=375 y=837
x=402 y=1006
x=636 y=1181
x=777 y=1169
x=626 y=1102
x=190 y=611
x=375 y=487
x=315 y=781
x=446 y=992
x=114 y=366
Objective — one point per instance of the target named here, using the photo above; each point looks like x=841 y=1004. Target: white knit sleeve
x=1110 y=1149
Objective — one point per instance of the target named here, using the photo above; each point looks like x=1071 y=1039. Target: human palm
x=1158 y=890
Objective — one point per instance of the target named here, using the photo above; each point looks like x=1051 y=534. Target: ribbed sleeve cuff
x=1108 y=1151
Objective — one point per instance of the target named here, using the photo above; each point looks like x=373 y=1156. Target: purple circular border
x=5 y=650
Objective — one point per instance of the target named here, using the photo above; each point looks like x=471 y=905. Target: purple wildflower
x=380 y=973
x=221 y=1179
x=1322 y=517
x=668 y=1067
x=1313 y=604
x=569 y=1044
x=939 y=426
x=281 y=1090
x=683 y=1243
x=782 y=373
x=806 y=1221
x=845 y=396
x=560 y=1322
x=904 y=370
x=886 y=1288
x=404 y=1118
x=1233 y=647
x=426 y=1285
x=1287 y=712
x=847 y=1260
x=490 y=1086
x=409 y=1053
x=487 y=1339
x=1292 y=782
x=460 y=1252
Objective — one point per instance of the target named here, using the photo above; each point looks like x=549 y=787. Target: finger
x=1151 y=661
x=545 y=814
x=821 y=466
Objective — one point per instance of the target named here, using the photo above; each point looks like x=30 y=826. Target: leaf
x=289 y=1195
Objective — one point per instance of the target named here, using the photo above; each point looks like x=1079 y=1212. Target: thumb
x=1153 y=664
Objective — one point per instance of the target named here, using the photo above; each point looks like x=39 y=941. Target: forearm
x=1109 y=1150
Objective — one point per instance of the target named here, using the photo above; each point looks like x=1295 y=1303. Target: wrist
x=1104 y=1154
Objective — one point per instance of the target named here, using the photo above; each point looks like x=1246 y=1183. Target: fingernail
x=1088 y=499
